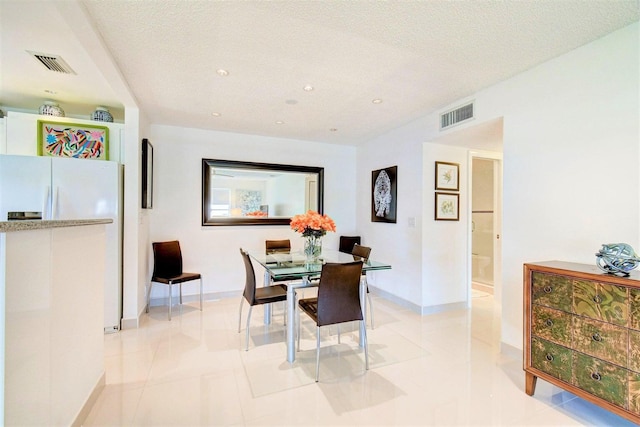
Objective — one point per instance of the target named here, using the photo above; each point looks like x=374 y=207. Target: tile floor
x=438 y=370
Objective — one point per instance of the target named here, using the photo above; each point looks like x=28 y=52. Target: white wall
x=213 y=251
x=571 y=182
x=571 y=152
x=399 y=244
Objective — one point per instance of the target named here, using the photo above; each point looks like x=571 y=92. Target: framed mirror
x=245 y=193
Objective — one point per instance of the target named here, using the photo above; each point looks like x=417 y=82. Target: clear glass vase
x=313 y=248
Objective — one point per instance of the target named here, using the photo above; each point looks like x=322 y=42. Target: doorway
x=483 y=215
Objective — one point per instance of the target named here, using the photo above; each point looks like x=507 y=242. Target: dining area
x=337 y=280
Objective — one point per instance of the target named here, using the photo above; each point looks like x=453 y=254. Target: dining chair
x=338 y=301
x=277 y=246
x=363 y=252
x=255 y=295
x=347 y=242
x=167 y=269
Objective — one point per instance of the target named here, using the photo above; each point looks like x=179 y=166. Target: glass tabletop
x=294 y=264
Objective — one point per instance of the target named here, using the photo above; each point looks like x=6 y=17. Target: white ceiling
x=417 y=57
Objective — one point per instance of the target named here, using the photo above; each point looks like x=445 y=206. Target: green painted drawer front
x=603 y=340
x=552 y=325
x=634 y=308
x=634 y=392
x=601 y=301
x=551 y=290
x=551 y=358
x=602 y=379
x=634 y=350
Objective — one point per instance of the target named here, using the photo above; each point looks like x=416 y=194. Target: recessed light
x=377 y=101
x=279 y=122
x=307 y=88
x=216 y=114
x=222 y=72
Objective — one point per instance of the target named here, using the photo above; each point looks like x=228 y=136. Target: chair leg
x=170 y=292
x=338 y=325
x=149 y=297
x=317 y=352
x=247 y=327
x=240 y=315
x=200 y=293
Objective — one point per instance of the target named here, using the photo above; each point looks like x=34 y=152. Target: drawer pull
x=549 y=322
x=549 y=357
x=597 y=299
x=547 y=289
x=596 y=337
x=596 y=376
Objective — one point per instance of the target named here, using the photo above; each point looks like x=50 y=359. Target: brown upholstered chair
x=363 y=252
x=277 y=246
x=167 y=269
x=255 y=295
x=338 y=301
x=347 y=243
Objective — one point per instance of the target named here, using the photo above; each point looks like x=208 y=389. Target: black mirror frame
x=207 y=163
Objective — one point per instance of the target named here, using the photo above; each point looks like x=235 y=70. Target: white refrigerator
x=67 y=188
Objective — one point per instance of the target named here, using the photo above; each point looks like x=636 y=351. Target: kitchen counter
x=11 y=226
x=52 y=276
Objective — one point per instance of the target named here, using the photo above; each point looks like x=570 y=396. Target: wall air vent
x=53 y=62
x=456 y=116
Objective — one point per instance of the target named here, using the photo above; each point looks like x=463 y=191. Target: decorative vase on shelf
x=102 y=114
x=50 y=108
x=313 y=248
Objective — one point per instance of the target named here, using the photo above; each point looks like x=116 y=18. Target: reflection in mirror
x=243 y=193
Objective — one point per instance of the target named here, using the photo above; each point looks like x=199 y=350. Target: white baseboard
x=91 y=400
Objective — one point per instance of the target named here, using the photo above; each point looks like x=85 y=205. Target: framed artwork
x=147 y=174
x=447 y=207
x=447 y=176
x=384 y=200
x=81 y=141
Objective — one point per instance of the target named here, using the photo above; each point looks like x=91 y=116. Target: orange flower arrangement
x=312 y=224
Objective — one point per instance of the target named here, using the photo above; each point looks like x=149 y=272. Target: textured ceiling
x=417 y=57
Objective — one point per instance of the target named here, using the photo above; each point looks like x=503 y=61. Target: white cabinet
x=54 y=345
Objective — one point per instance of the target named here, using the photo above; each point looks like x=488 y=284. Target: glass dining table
x=293 y=266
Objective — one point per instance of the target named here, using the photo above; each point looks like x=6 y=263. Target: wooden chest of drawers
x=582 y=333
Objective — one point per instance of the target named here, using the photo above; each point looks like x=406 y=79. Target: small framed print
x=147 y=174
x=447 y=207
x=447 y=176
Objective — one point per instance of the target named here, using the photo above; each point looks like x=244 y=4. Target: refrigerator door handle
x=46 y=208
x=54 y=204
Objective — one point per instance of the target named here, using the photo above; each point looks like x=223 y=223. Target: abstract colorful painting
x=73 y=140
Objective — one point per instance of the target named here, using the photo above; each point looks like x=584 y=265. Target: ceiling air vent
x=456 y=116
x=53 y=62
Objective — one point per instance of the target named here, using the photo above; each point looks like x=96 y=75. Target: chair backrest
x=250 y=281
x=360 y=251
x=347 y=243
x=167 y=259
x=276 y=246
x=339 y=293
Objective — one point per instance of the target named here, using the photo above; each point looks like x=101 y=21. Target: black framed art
x=384 y=194
x=147 y=174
